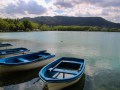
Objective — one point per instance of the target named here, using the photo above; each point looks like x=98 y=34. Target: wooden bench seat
x=23 y=60
x=64 y=71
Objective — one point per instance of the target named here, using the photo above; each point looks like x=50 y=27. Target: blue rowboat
x=5 y=44
x=62 y=73
x=13 y=51
x=25 y=62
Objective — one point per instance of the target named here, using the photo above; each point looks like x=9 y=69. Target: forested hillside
x=76 y=21
x=57 y=23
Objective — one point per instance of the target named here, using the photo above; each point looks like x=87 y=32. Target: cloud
x=22 y=7
x=111 y=3
x=34 y=8
x=108 y=9
x=47 y=1
x=63 y=4
x=101 y=3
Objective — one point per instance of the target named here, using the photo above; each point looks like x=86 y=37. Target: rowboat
x=62 y=73
x=14 y=50
x=25 y=62
x=5 y=44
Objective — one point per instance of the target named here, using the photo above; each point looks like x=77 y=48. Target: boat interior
x=64 y=69
x=25 y=58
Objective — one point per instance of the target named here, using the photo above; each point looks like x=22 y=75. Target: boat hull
x=23 y=67
x=5 y=45
x=62 y=73
x=59 y=86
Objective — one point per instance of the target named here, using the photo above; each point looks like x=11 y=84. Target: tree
x=4 y=25
x=20 y=26
x=28 y=25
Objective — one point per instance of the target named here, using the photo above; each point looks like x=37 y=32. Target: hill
x=77 y=21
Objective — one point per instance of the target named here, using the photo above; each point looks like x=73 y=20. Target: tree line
x=13 y=25
x=18 y=25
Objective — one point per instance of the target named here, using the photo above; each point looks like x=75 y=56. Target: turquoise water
x=101 y=51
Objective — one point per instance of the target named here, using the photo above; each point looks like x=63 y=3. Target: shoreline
x=58 y=30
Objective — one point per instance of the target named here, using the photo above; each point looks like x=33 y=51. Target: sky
x=108 y=9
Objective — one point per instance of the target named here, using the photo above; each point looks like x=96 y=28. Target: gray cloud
x=34 y=8
x=14 y=9
x=111 y=3
x=62 y=3
x=21 y=7
x=109 y=9
x=102 y=3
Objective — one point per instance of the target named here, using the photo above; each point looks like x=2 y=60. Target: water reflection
x=99 y=49
x=110 y=80
x=18 y=80
x=17 y=77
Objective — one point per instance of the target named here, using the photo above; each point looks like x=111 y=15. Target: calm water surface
x=101 y=51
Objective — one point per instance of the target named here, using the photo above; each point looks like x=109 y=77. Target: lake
x=101 y=51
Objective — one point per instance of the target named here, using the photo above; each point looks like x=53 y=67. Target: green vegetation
x=14 y=25
x=17 y=25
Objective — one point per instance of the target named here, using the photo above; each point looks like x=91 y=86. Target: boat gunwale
x=51 y=80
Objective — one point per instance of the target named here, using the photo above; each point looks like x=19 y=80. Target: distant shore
x=67 y=28
x=16 y=25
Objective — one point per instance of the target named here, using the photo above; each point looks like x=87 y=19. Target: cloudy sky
x=108 y=9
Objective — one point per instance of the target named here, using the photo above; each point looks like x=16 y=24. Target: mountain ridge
x=76 y=21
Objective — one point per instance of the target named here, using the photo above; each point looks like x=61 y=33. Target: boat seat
x=64 y=71
x=3 y=52
x=23 y=60
x=43 y=56
x=22 y=50
x=71 y=62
